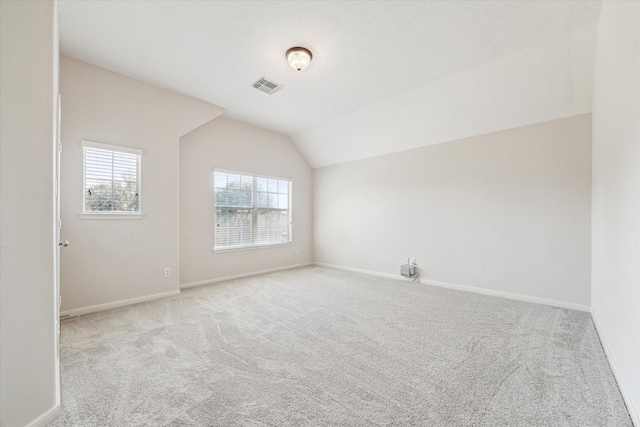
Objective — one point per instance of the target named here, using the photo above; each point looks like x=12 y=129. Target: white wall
x=507 y=211
x=115 y=260
x=615 y=292
x=229 y=144
x=28 y=88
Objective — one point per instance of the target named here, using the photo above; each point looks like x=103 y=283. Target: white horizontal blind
x=250 y=210
x=111 y=178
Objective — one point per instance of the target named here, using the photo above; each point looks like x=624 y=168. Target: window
x=250 y=210
x=111 y=179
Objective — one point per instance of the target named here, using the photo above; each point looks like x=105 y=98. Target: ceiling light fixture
x=299 y=58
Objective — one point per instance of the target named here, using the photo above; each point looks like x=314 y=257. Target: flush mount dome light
x=299 y=58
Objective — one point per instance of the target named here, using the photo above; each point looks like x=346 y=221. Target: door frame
x=57 y=226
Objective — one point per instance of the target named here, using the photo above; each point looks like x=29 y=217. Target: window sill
x=118 y=216
x=251 y=247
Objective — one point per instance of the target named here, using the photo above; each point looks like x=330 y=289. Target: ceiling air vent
x=267 y=86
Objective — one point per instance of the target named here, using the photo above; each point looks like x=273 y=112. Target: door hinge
x=59 y=224
x=59 y=301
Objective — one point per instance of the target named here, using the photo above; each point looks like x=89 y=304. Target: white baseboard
x=116 y=304
x=508 y=295
x=633 y=411
x=122 y=303
x=475 y=290
x=240 y=276
x=46 y=418
x=363 y=271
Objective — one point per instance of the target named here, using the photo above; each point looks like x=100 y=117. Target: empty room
x=320 y=213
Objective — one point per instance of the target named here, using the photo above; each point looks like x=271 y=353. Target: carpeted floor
x=322 y=347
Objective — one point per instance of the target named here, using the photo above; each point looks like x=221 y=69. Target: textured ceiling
x=386 y=76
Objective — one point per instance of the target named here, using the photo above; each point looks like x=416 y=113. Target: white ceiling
x=385 y=77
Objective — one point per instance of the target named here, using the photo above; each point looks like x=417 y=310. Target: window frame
x=85 y=214
x=254 y=176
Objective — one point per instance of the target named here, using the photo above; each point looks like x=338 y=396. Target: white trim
x=240 y=276
x=111 y=147
x=115 y=215
x=464 y=288
x=633 y=411
x=234 y=172
x=508 y=295
x=116 y=304
x=362 y=271
x=46 y=418
x=249 y=247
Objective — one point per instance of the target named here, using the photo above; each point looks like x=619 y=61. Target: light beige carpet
x=321 y=347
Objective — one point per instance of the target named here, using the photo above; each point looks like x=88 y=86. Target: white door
x=57 y=227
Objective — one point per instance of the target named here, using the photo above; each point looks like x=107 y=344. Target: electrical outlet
x=167 y=272
x=412 y=261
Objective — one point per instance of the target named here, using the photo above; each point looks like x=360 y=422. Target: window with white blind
x=250 y=210
x=111 y=179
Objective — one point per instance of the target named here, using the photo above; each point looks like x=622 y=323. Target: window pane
x=220 y=180
x=221 y=198
x=273 y=200
x=261 y=184
x=111 y=180
x=233 y=190
x=233 y=227
x=272 y=226
x=283 y=201
x=98 y=198
x=263 y=199
x=125 y=197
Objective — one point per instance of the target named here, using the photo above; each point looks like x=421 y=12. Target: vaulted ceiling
x=385 y=76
